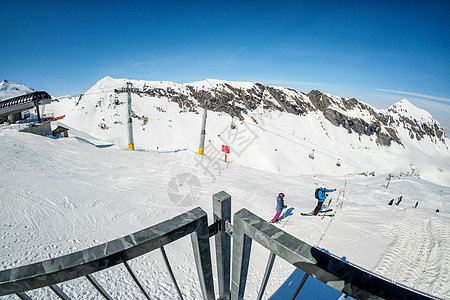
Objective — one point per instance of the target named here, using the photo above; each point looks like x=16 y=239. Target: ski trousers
x=318 y=207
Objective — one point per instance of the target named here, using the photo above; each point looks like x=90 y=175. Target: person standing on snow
x=280 y=207
x=321 y=196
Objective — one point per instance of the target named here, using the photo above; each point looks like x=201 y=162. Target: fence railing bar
x=99 y=288
x=214 y=229
x=242 y=245
x=59 y=292
x=331 y=270
x=100 y=257
x=136 y=280
x=266 y=275
x=300 y=286
x=23 y=296
x=222 y=215
x=166 y=261
x=202 y=257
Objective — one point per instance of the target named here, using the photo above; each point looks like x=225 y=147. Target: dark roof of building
x=31 y=97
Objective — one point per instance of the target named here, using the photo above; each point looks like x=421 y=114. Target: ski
x=310 y=214
x=322 y=211
x=282 y=223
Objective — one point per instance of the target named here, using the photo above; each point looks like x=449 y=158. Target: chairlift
x=311 y=155
x=338 y=162
x=232 y=125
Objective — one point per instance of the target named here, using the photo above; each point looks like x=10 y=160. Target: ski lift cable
x=301 y=142
x=93 y=93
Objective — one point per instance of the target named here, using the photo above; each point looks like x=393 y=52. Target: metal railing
x=247 y=227
x=83 y=263
x=329 y=269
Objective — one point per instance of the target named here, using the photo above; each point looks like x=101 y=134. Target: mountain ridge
x=238 y=98
x=10 y=89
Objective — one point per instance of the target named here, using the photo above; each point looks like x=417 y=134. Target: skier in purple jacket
x=280 y=207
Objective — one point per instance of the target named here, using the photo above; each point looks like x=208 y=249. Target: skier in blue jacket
x=280 y=207
x=321 y=196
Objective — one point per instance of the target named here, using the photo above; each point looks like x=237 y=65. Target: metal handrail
x=97 y=258
x=341 y=275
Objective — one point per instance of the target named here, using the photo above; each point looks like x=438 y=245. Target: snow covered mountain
x=11 y=89
x=271 y=122
x=61 y=195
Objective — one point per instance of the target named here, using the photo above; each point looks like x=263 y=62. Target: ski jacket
x=280 y=204
x=322 y=194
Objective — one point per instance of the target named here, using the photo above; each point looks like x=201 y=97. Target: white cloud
x=416 y=95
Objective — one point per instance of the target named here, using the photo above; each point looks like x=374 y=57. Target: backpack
x=316 y=194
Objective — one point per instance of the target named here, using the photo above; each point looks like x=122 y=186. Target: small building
x=61 y=130
x=43 y=129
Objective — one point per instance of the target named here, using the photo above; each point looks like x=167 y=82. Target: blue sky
x=376 y=51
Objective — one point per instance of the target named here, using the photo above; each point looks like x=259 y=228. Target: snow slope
x=269 y=140
x=61 y=195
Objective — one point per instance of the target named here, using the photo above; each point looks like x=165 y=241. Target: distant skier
x=399 y=200
x=417 y=203
x=390 y=202
x=280 y=207
x=321 y=196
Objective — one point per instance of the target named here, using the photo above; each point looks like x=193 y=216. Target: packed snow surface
x=62 y=195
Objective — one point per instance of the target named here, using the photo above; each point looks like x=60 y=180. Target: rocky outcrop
x=238 y=101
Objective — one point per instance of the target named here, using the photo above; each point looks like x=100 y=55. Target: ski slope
x=61 y=195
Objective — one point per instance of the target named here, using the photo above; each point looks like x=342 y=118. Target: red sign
x=225 y=149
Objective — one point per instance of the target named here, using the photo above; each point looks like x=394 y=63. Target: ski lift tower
x=129 y=89
x=201 y=148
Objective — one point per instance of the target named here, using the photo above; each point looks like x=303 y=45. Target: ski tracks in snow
x=418 y=252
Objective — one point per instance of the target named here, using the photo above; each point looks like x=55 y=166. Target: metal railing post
x=99 y=288
x=300 y=286
x=23 y=296
x=242 y=245
x=202 y=256
x=130 y=271
x=172 y=276
x=222 y=213
x=59 y=292
x=266 y=275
